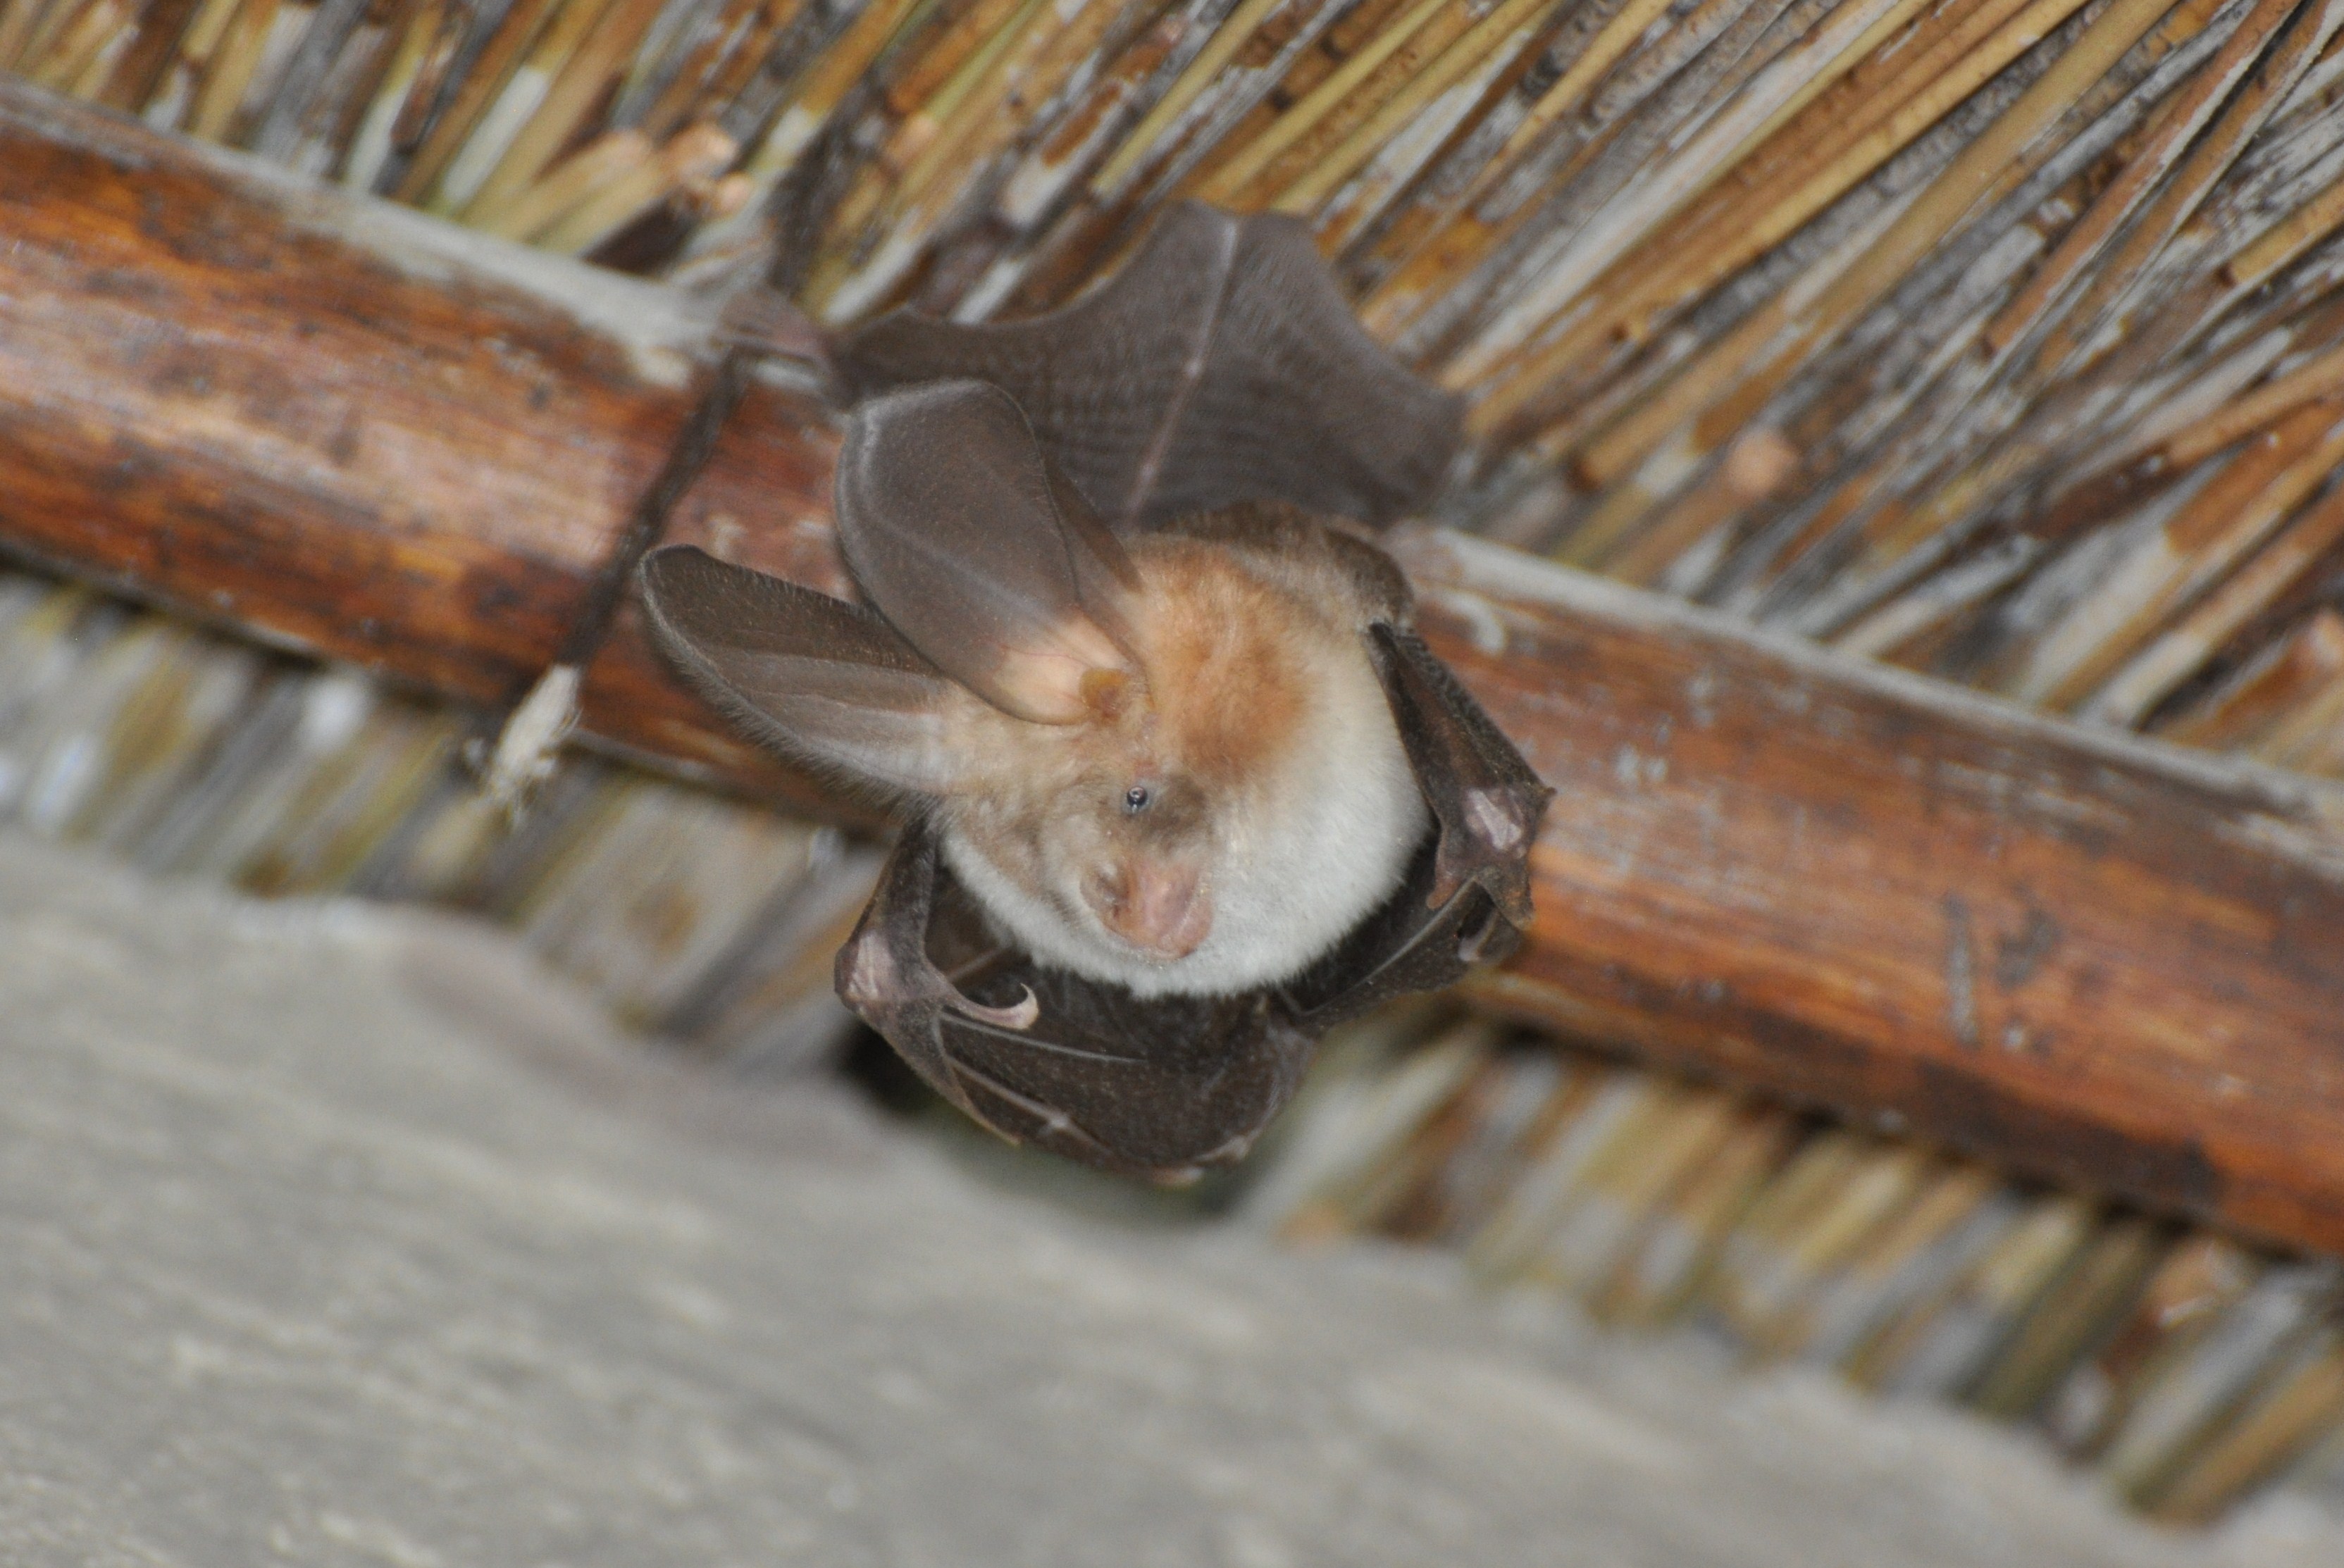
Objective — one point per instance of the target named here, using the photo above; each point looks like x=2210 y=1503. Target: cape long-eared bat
x=1182 y=787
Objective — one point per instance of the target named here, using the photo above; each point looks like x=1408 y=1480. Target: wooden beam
x=2094 y=957
x=354 y=430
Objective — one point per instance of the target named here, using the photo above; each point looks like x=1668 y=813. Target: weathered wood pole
x=354 y=430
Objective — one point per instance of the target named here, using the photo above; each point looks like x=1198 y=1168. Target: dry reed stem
x=1086 y=134
x=47 y=22
x=1636 y=211
x=827 y=82
x=2281 y=1425
x=1791 y=180
x=916 y=87
x=442 y=56
x=512 y=110
x=1880 y=37
x=1386 y=200
x=1963 y=386
x=579 y=83
x=1393 y=304
x=1727 y=388
x=2284 y=242
x=1232 y=35
x=2208 y=157
x=696 y=152
x=371 y=143
x=703 y=51
x=1024 y=58
x=613 y=155
x=2321 y=378
x=75 y=47
x=480 y=87
x=768 y=28
x=17 y=20
x=1395 y=78
x=143 y=66
x=2305 y=730
x=228 y=69
x=2179 y=653
x=1320 y=102
x=2177 y=123
x=1506 y=24
x=2232 y=515
x=957 y=130
x=2258 y=695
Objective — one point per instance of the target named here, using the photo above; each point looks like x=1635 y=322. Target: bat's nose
x=1159 y=907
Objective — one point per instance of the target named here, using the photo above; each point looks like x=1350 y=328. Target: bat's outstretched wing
x=816 y=679
x=1467 y=899
x=1221 y=365
x=1164 y=1088
x=972 y=547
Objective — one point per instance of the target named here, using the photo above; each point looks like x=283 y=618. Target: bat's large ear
x=816 y=679
x=1221 y=365
x=971 y=546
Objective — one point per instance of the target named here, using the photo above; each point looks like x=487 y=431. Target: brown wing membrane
x=964 y=541
x=816 y=679
x=1162 y=1088
x=1220 y=366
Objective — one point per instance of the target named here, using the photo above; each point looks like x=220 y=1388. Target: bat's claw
x=1480 y=942
x=1499 y=817
x=872 y=978
x=1020 y=1017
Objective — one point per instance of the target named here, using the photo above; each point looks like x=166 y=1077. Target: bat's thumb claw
x=1500 y=819
x=1020 y=1016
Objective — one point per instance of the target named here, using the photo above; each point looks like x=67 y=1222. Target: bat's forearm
x=355 y=431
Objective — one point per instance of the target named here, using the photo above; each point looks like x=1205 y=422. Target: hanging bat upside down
x=1182 y=787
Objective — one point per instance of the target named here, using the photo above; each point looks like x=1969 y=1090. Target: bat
x=1182 y=788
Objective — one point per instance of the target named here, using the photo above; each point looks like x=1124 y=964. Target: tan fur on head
x=1227 y=657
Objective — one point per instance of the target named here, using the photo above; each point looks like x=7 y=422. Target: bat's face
x=1236 y=798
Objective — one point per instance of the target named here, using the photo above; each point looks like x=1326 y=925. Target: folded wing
x=1221 y=365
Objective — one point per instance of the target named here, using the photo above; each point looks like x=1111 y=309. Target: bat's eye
x=1136 y=799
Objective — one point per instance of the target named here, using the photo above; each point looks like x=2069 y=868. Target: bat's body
x=1181 y=786
x=1240 y=802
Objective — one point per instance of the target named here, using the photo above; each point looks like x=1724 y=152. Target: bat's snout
x=1157 y=906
